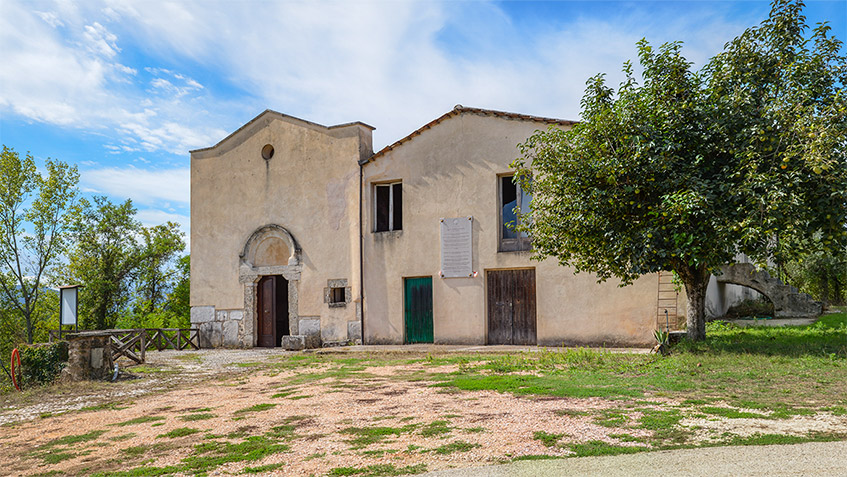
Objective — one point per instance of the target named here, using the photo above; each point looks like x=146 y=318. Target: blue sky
x=124 y=89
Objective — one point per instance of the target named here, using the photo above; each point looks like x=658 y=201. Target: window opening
x=388 y=207
x=336 y=295
x=514 y=203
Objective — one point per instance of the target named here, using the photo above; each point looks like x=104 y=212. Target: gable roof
x=458 y=110
x=241 y=134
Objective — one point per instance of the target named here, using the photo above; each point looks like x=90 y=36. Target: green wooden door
x=418 y=310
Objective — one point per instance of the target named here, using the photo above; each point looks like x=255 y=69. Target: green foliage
x=681 y=170
x=125 y=267
x=33 y=225
x=822 y=275
x=42 y=363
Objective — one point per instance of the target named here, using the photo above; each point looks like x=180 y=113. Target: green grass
x=179 y=432
x=123 y=437
x=378 y=470
x=596 y=448
x=261 y=469
x=139 y=420
x=455 y=446
x=365 y=436
x=435 y=428
x=202 y=416
x=729 y=412
x=73 y=440
x=256 y=408
x=549 y=440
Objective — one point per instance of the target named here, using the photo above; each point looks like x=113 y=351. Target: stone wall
x=89 y=357
x=220 y=328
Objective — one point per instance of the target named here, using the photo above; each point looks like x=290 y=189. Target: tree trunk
x=696 y=279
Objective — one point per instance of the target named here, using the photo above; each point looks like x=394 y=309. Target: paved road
x=818 y=459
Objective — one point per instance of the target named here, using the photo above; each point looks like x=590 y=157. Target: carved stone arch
x=261 y=236
x=262 y=255
x=787 y=301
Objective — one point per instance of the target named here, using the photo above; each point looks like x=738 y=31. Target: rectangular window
x=336 y=295
x=514 y=202
x=388 y=207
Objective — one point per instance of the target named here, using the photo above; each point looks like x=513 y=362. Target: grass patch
x=179 y=432
x=535 y=457
x=256 y=408
x=570 y=412
x=123 y=437
x=730 y=413
x=365 y=436
x=139 y=420
x=595 y=448
x=474 y=430
x=378 y=470
x=202 y=416
x=549 y=440
x=611 y=418
x=262 y=468
x=107 y=406
x=283 y=394
x=455 y=446
x=435 y=428
x=75 y=439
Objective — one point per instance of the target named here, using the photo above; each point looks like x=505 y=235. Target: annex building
x=302 y=236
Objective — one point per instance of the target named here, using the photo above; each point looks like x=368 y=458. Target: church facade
x=302 y=236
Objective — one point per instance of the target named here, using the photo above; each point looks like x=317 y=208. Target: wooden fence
x=134 y=343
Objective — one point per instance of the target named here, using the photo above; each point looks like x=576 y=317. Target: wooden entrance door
x=511 y=307
x=272 y=306
x=418 y=310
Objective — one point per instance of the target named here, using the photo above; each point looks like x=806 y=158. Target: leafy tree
x=178 y=300
x=33 y=225
x=104 y=258
x=155 y=274
x=822 y=275
x=684 y=169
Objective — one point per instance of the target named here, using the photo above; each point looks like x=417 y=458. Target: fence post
x=143 y=344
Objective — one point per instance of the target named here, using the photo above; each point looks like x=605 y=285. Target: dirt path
x=205 y=411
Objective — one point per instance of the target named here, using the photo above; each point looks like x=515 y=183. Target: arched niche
x=270 y=246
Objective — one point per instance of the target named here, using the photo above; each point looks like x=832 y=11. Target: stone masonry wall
x=219 y=328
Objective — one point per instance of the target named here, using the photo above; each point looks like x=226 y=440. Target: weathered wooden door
x=272 y=306
x=511 y=307
x=418 y=310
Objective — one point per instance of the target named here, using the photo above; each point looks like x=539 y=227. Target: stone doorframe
x=249 y=275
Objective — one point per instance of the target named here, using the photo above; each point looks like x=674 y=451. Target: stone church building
x=302 y=236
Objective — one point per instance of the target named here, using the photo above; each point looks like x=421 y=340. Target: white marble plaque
x=457 y=247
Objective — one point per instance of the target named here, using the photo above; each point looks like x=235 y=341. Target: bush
x=41 y=363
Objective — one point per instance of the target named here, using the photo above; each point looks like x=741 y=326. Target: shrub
x=41 y=363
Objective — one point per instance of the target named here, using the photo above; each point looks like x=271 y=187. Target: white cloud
x=142 y=186
x=384 y=63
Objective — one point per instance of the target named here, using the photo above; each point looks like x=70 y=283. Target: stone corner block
x=310 y=326
x=294 y=342
x=202 y=314
x=354 y=331
x=230 y=334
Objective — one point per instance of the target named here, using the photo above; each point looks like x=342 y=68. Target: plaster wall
x=451 y=170
x=310 y=187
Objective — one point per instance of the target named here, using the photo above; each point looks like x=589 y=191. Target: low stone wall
x=219 y=328
x=89 y=357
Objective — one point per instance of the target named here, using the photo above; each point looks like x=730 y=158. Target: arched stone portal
x=787 y=301
x=270 y=250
